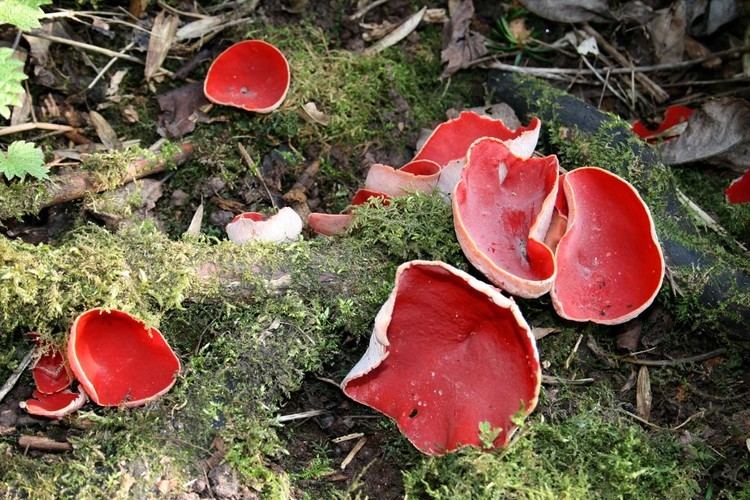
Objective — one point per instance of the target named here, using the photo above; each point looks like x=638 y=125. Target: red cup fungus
x=674 y=123
x=609 y=263
x=448 y=354
x=739 y=190
x=439 y=161
x=332 y=224
x=51 y=372
x=252 y=75
x=502 y=208
x=284 y=226
x=56 y=405
x=118 y=360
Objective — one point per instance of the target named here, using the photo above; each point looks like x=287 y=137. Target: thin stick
x=85 y=46
x=43 y=443
x=367 y=8
x=659 y=427
x=299 y=416
x=676 y=362
x=25 y=127
x=348 y=437
x=606 y=82
x=555 y=73
x=554 y=380
x=109 y=65
x=573 y=352
x=353 y=452
x=651 y=87
x=11 y=382
x=254 y=168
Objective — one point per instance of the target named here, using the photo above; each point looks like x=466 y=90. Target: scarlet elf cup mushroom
x=448 y=354
x=118 y=360
x=252 y=75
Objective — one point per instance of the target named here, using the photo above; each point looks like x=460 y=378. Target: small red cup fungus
x=502 y=208
x=332 y=224
x=50 y=372
x=252 y=75
x=448 y=353
x=674 y=123
x=609 y=263
x=739 y=190
x=55 y=405
x=416 y=176
x=118 y=360
x=281 y=227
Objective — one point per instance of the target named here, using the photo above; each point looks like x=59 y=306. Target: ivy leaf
x=23 y=158
x=24 y=14
x=11 y=76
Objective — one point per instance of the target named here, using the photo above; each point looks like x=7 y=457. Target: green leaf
x=11 y=76
x=23 y=158
x=24 y=14
x=488 y=434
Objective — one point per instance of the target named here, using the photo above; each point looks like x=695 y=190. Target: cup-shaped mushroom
x=609 y=263
x=51 y=372
x=739 y=190
x=674 y=123
x=448 y=354
x=332 y=224
x=252 y=75
x=416 y=176
x=284 y=226
x=56 y=405
x=502 y=208
x=118 y=360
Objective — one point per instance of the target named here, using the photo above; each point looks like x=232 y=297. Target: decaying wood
x=76 y=184
x=11 y=382
x=42 y=443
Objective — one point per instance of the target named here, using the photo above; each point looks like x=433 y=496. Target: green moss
x=586 y=455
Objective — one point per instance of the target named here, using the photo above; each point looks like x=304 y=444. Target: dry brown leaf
x=541 y=332
x=199 y=28
x=22 y=113
x=314 y=114
x=104 y=130
x=196 y=222
x=181 y=110
x=114 y=85
x=398 y=34
x=460 y=45
x=696 y=50
x=162 y=36
x=629 y=338
x=376 y=31
x=569 y=11
x=668 y=29
x=436 y=16
x=130 y=115
x=718 y=132
x=643 y=396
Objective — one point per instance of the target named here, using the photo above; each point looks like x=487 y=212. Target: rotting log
x=710 y=271
x=28 y=198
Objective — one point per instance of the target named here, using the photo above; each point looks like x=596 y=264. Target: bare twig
x=109 y=65
x=254 y=168
x=353 y=452
x=651 y=86
x=11 y=382
x=299 y=416
x=676 y=362
x=573 y=352
x=554 y=380
x=25 y=127
x=84 y=46
x=43 y=443
x=348 y=437
x=559 y=73
x=659 y=427
x=367 y=8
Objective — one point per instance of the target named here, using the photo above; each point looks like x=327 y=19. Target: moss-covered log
x=100 y=172
x=710 y=270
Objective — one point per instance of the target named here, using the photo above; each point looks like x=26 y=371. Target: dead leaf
x=398 y=34
x=696 y=50
x=541 y=332
x=643 y=397
x=181 y=110
x=130 y=115
x=519 y=30
x=460 y=45
x=104 y=130
x=194 y=228
x=198 y=29
x=22 y=113
x=718 y=132
x=435 y=16
x=630 y=382
x=138 y=7
x=376 y=31
x=629 y=338
x=569 y=11
x=114 y=85
x=317 y=116
x=162 y=36
x=668 y=29
x=588 y=46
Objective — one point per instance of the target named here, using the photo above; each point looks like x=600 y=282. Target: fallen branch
x=42 y=443
x=30 y=197
x=25 y=127
x=11 y=382
x=676 y=362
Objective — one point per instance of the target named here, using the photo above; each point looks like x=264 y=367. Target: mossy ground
x=246 y=357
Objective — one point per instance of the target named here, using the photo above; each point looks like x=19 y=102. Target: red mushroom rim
x=118 y=360
x=447 y=353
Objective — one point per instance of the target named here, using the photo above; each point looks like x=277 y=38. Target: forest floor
x=591 y=436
